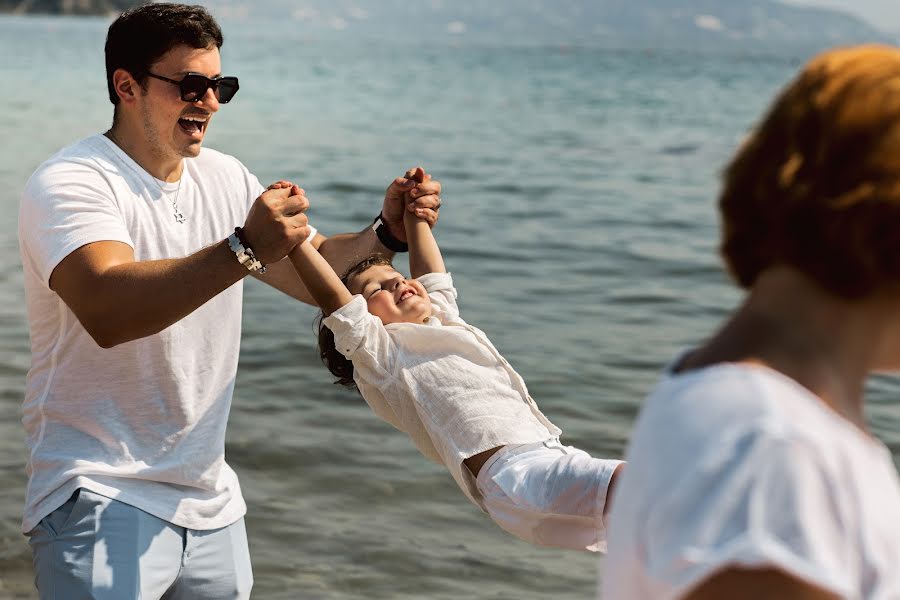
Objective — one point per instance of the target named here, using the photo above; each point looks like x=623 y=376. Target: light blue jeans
x=93 y=547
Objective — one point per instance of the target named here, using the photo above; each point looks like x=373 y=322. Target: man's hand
x=415 y=192
x=276 y=222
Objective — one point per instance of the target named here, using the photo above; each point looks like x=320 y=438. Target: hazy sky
x=884 y=14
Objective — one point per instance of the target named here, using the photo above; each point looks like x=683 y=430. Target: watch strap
x=385 y=236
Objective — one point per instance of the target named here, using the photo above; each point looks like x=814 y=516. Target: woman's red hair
x=817 y=185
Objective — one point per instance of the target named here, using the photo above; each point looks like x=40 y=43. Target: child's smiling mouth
x=405 y=295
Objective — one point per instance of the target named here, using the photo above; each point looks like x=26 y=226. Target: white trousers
x=548 y=494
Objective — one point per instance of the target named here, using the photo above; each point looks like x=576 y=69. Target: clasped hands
x=277 y=221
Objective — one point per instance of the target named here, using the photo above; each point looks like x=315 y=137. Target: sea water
x=579 y=224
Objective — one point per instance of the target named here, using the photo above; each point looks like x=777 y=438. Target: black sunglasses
x=193 y=86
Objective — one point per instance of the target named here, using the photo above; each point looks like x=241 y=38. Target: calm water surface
x=579 y=224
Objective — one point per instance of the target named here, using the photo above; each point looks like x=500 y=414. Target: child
x=427 y=372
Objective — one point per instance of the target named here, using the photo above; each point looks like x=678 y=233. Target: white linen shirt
x=442 y=381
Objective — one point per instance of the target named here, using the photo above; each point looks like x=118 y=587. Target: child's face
x=390 y=296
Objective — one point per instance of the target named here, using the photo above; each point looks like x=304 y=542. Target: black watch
x=386 y=237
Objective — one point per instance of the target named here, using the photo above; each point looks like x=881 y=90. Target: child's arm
x=424 y=253
x=323 y=283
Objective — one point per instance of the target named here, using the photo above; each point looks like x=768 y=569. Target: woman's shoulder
x=731 y=411
x=738 y=395
x=719 y=397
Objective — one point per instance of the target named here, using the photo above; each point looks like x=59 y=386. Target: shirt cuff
x=346 y=323
x=605 y=477
x=435 y=282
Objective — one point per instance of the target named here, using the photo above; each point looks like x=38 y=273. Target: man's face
x=172 y=127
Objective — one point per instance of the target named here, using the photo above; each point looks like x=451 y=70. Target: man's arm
x=118 y=299
x=325 y=286
x=344 y=250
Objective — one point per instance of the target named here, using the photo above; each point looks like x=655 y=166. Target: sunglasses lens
x=193 y=87
x=228 y=87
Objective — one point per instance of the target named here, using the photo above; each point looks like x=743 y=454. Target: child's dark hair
x=336 y=362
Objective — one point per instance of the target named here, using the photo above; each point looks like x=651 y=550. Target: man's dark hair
x=336 y=362
x=142 y=35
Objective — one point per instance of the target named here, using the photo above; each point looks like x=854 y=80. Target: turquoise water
x=579 y=225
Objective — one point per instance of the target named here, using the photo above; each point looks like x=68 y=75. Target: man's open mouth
x=193 y=124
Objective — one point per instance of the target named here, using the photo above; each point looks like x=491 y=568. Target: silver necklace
x=179 y=216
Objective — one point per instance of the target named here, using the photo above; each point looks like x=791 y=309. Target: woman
x=751 y=471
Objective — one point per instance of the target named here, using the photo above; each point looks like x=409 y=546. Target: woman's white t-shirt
x=740 y=466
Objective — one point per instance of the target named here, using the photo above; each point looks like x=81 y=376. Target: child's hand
x=422 y=204
x=275 y=222
x=397 y=200
x=423 y=201
x=282 y=184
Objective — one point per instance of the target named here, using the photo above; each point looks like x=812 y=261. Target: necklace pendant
x=179 y=217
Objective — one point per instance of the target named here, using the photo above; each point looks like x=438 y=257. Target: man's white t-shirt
x=740 y=466
x=143 y=422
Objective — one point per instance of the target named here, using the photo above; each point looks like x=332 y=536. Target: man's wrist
x=244 y=253
x=387 y=239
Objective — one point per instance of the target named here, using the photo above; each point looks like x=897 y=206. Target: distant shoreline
x=65 y=8
x=15 y=13
x=754 y=26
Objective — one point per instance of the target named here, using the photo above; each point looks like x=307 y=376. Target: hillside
x=643 y=23
x=702 y=24
x=65 y=7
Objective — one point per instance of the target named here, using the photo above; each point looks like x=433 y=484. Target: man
x=130 y=268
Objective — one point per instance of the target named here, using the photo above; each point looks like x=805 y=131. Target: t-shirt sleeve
x=765 y=502
x=441 y=292
x=362 y=338
x=65 y=206
x=251 y=181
